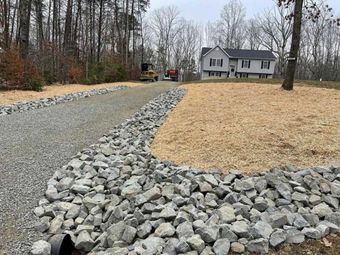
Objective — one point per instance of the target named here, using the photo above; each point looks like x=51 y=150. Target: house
x=233 y=63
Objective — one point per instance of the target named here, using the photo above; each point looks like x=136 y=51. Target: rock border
x=45 y=102
x=115 y=197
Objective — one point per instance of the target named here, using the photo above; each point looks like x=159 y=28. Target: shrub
x=121 y=73
x=49 y=77
x=75 y=74
x=12 y=67
x=36 y=83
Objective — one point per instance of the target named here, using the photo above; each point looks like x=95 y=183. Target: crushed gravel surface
x=35 y=143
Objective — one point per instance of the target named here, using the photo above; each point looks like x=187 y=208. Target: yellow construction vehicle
x=148 y=73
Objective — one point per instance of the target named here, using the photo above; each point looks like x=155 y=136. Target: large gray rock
x=278 y=237
x=81 y=189
x=41 y=248
x=300 y=197
x=184 y=230
x=129 y=234
x=221 y=246
x=294 y=236
x=144 y=230
x=165 y=230
x=84 y=241
x=335 y=189
x=153 y=244
x=261 y=230
x=245 y=184
x=312 y=233
x=240 y=228
x=285 y=190
x=226 y=214
x=258 y=246
x=208 y=234
x=168 y=213
x=322 y=210
x=237 y=247
x=278 y=219
x=152 y=194
x=196 y=243
x=334 y=218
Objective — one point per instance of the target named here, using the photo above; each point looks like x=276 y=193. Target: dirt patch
x=327 y=246
x=251 y=127
x=13 y=96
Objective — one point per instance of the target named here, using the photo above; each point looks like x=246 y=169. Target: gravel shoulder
x=35 y=143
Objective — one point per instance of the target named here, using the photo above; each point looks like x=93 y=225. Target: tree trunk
x=24 y=29
x=39 y=19
x=100 y=24
x=127 y=34
x=288 y=82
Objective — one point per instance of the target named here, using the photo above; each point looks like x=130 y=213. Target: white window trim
x=265 y=64
x=216 y=62
x=245 y=63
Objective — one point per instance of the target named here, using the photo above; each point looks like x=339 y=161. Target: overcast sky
x=209 y=10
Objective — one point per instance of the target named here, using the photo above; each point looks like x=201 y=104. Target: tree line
x=319 y=53
x=93 y=41
x=87 y=41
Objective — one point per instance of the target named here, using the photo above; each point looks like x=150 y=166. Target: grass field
x=251 y=127
x=312 y=83
x=13 y=96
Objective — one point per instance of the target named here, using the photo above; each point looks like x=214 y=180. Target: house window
x=263 y=76
x=216 y=62
x=245 y=63
x=265 y=64
x=217 y=74
x=243 y=75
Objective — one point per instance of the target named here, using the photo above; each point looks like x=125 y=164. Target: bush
x=49 y=77
x=12 y=67
x=36 y=83
x=75 y=74
x=121 y=73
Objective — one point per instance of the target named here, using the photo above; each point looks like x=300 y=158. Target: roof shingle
x=240 y=53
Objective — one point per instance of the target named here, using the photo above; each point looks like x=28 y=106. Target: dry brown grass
x=251 y=127
x=13 y=96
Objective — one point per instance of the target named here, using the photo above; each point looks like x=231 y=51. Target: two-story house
x=233 y=63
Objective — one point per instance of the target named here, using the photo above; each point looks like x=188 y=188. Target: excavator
x=148 y=73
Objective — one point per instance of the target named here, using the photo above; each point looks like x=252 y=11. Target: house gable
x=214 y=59
x=206 y=51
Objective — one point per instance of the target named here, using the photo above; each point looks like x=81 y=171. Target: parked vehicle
x=172 y=75
x=148 y=73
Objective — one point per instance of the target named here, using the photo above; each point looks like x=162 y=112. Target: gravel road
x=35 y=143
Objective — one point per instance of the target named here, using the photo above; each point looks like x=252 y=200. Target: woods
x=94 y=41
x=71 y=40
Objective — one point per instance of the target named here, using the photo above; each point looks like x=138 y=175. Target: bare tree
x=313 y=9
x=276 y=32
x=165 y=24
x=232 y=33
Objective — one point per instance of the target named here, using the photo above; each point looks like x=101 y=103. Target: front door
x=232 y=71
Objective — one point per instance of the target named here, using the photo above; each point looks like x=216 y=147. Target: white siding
x=216 y=53
x=255 y=67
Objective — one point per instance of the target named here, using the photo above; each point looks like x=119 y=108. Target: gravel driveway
x=35 y=143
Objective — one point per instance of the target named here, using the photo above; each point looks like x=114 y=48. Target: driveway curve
x=34 y=144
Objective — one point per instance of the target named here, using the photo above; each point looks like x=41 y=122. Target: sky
x=203 y=11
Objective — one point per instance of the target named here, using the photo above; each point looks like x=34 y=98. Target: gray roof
x=251 y=54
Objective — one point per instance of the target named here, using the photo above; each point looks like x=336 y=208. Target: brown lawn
x=13 y=96
x=251 y=127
